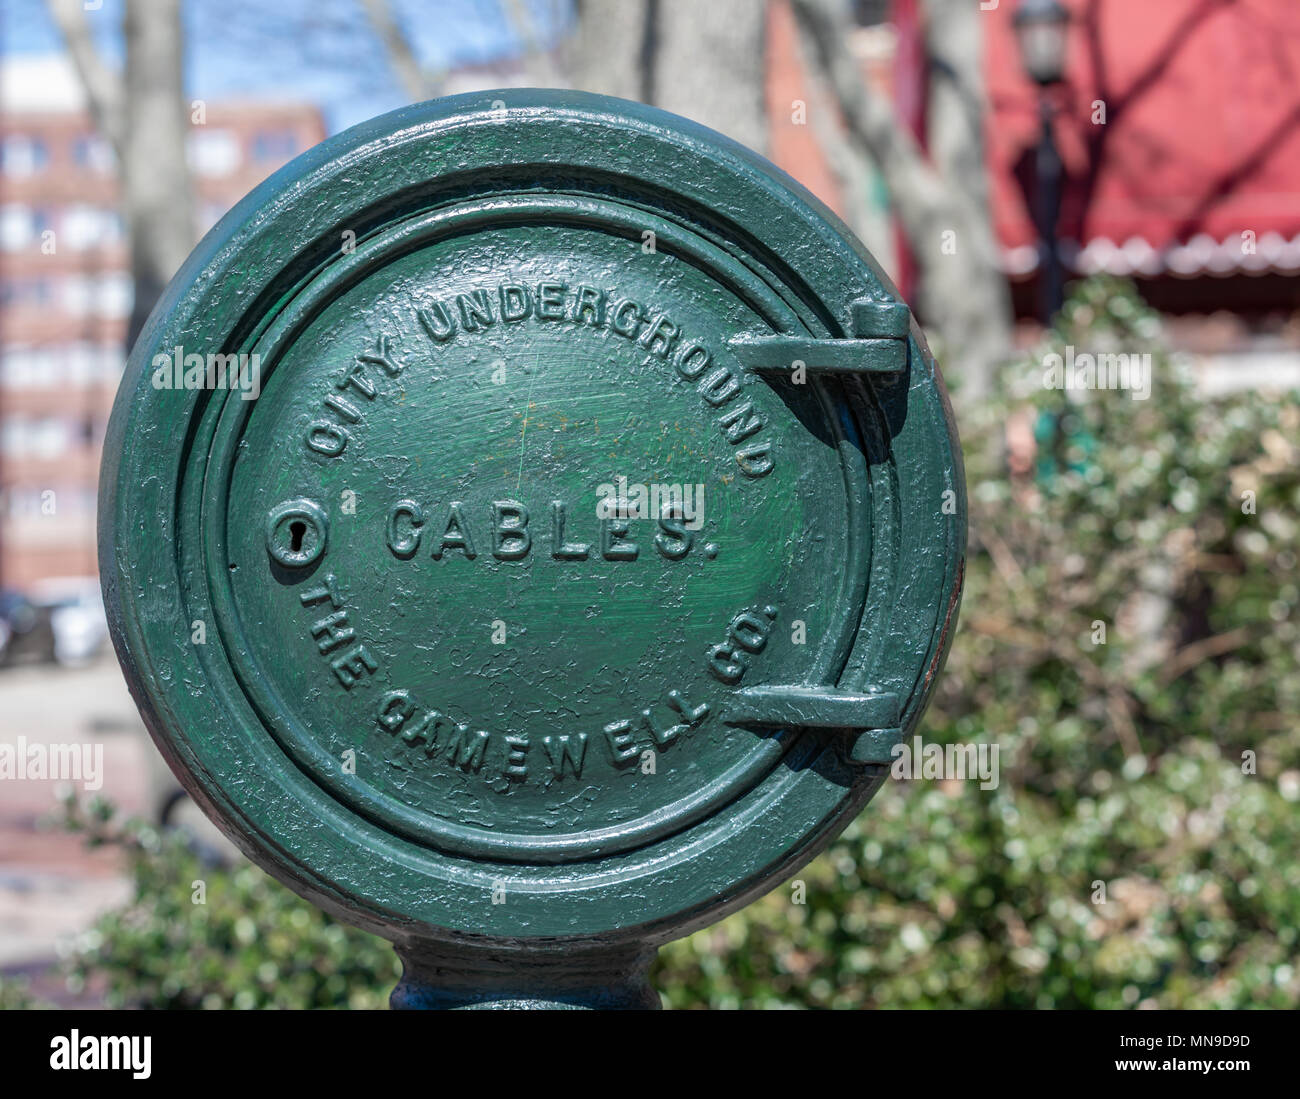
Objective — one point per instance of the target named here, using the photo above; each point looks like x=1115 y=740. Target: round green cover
x=502 y=537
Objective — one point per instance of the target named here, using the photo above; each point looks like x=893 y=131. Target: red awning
x=1196 y=168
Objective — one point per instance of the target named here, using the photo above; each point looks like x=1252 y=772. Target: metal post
x=437 y=975
x=1049 y=173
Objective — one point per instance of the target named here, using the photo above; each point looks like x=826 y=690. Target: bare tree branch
x=538 y=63
x=142 y=114
x=853 y=172
x=958 y=106
x=871 y=121
x=103 y=87
x=941 y=206
x=398 y=47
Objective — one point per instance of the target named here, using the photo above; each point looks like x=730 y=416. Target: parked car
x=25 y=629
x=76 y=613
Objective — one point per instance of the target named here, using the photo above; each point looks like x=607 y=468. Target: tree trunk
x=973 y=290
x=709 y=65
x=142 y=113
x=703 y=61
x=610 y=49
x=941 y=205
x=157 y=193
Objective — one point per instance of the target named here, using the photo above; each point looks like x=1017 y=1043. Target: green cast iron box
x=528 y=522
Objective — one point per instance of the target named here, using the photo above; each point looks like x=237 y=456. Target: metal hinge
x=872 y=719
x=878 y=345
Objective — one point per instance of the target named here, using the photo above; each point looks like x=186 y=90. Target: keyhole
x=296 y=532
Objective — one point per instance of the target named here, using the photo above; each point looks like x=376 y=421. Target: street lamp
x=1041 y=27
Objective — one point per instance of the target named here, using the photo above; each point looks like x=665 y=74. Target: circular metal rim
x=713 y=871
x=436 y=833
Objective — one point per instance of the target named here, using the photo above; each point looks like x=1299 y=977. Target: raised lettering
x=456 y=534
x=510 y=538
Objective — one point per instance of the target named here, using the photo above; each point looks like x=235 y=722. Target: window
x=51 y=436
x=26 y=291
x=78 y=294
x=21 y=226
x=275 y=146
x=42 y=437
x=24 y=502
x=213 y=152
x=116 y=294
x=20 y=367
x=80 y=363
x=21 y=155
x=28 y=501
x=110 y=362
x=92 y=153
x=86 y=227
x=16 y=228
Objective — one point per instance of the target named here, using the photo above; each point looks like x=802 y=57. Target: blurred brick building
x=65 y=293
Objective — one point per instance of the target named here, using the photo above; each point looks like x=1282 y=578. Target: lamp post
x=1041 y=27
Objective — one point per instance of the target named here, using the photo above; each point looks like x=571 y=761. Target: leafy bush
x=1140 y=847
x=250 y=944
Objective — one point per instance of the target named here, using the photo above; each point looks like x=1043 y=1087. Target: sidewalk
x=51 y=886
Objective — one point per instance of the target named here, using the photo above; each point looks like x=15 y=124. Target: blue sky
x=322 y=51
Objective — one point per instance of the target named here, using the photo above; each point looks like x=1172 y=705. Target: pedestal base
x=436 y=976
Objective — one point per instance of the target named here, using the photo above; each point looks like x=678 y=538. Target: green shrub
x=250 y=944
